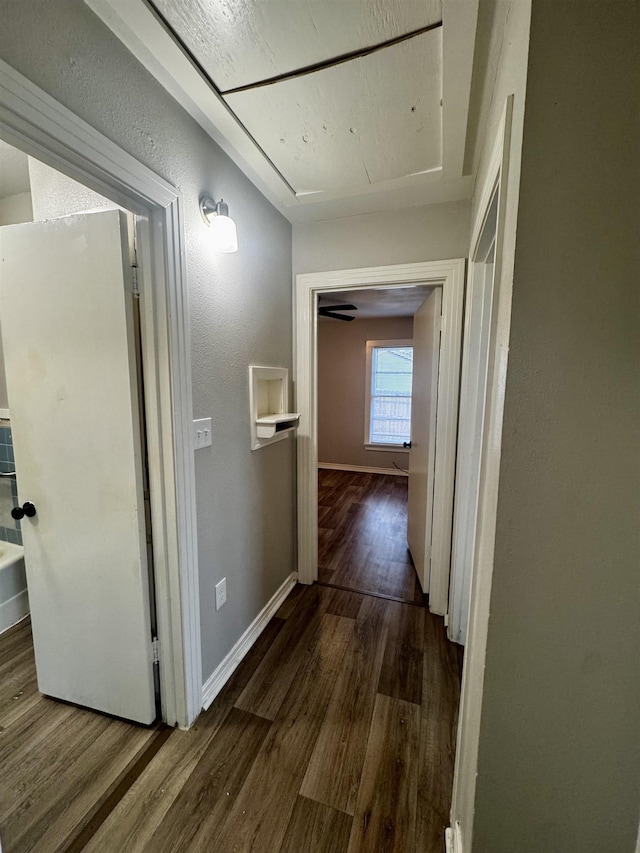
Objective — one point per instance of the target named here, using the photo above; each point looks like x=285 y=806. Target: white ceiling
x=376 y=131
x=378 y=302
x=14 y=171
x=239 y=42
x=369 y=120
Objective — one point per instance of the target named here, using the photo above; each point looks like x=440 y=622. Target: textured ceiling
x=371 y=119
x=243 y=41
x=376 y=302
x=331 y=107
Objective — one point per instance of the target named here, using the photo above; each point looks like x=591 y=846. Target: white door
x=424 y=404
x=68 y=335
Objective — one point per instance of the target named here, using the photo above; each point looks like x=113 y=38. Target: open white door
x=68 y=334
x=424 y=404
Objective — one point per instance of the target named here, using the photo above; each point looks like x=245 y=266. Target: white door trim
x=473 y=386
x=448 y=274
x=468 y=737
x=41 y=126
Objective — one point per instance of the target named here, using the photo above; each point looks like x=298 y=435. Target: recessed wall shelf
x=268 y=400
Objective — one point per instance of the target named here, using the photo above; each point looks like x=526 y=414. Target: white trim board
x=232 y=660
x=448 y=274
x=363 y=469
x=468 y=735
x=40 y=126
x=453 y=839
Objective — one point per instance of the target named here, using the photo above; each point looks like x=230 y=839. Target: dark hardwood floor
x=336 y=734
x=362 y=534
x=59 y=763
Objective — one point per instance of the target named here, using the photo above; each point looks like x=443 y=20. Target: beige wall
x=240 y=304
x=54 y=194
x=341 y=389
x=431 y=233
x=559 y=760
x=15 y=209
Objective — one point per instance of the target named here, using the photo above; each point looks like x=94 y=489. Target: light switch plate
x=202 y=433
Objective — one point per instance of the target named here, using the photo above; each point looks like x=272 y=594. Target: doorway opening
x=42 y=127
x=74 y=492
x=445 y=277
x=366 y=424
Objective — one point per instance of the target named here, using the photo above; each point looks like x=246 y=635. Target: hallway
x=336 y=734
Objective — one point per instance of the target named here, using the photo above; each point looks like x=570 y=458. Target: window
x=388 y=393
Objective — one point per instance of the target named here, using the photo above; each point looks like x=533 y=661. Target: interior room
x=363 y=440
x=254 y=646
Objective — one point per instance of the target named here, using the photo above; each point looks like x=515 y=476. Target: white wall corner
x=230 y=663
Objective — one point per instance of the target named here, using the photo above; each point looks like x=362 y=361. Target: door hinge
x=155 y=648
x=135 y=287
x=446 y=620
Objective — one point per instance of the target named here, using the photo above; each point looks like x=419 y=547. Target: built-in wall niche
x=269 y=413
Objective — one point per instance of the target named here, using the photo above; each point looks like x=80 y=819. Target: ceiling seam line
x=207 y=79
x=330 y=63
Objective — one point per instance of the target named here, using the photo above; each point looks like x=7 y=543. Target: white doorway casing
x=473 y=386
x=40 y=126
x=459 y=835
x=448 y=274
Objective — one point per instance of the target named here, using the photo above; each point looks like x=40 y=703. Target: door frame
x=473 y=397
x=448 y=274
x=41 y=126
x=459 y=835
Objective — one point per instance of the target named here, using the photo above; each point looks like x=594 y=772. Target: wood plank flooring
x=362 y=534
x=58 y=762
x=336 y=734
x=340 y=761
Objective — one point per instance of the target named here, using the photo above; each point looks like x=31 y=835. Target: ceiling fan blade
x=333 y=316
x=337 y=307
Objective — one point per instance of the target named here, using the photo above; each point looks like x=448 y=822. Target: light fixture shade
x=223 y=234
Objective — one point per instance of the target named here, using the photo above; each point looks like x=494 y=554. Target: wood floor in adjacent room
x=362 y=534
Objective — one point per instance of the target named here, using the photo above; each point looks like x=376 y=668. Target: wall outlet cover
x=221 y=593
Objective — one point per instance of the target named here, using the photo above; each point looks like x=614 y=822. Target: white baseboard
x=453 y=839
x=337 y=466
x=225 y=670
x=13 y=610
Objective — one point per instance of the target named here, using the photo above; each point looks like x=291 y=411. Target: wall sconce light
x=223 y=229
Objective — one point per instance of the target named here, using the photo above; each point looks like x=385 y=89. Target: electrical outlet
x=202 y=433
x=221 y=593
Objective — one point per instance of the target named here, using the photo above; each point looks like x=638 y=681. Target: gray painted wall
x=559 y=752
x=431 y=233
x=240 y=303
x=341 y=389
